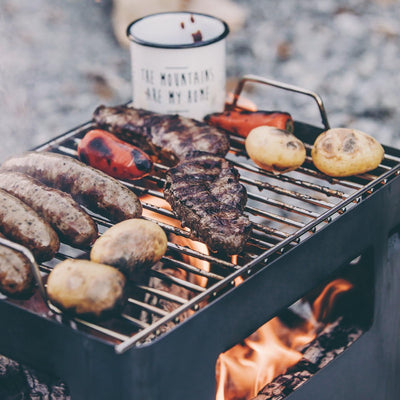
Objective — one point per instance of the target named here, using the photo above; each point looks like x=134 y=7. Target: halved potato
x=343 y=152
x=275 y=149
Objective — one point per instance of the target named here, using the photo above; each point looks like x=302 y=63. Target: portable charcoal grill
x=305 y=226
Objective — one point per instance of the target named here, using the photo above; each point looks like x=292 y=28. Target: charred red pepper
x=102 y=150
x=241 y=122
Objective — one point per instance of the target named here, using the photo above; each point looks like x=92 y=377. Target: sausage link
x=59 y=209
x=104 y=151
x=87 y=185
x=20 y=223
x=16 y=278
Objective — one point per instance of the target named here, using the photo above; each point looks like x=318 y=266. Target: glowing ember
x=246 y=368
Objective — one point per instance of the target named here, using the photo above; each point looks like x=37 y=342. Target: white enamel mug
x=178 y=63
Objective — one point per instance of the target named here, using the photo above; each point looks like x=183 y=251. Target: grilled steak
x=204 y=191
x=21 y=224
x=87 y=185
x=170 y=137
x=59 y=209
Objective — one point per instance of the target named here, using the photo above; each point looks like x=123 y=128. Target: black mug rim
x=142 y=42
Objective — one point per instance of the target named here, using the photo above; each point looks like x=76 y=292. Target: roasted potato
x=131 y=246
x=85 y=288
x=275 y=149
x=344 y=152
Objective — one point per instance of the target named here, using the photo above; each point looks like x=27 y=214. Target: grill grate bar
x=260 y=243
x=205 y=257
x=274 y=217
x=177 y=281
x=101 y=329
x=68 y=151
x=148 y=307
x=192 y=269
x=391 y=157
x=270 y=231
x=162 y=294
x=137 y=322
x=333 y=181
x=290 y=193
x=283 y=206
x=289 y=179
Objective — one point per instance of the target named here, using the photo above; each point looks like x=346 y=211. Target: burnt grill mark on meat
x=205 y=193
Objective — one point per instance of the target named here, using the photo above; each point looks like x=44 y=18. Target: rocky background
x=59 y=60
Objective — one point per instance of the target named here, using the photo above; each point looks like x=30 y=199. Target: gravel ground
x=59 y=60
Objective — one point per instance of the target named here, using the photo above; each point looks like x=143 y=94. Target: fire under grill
x=305 y=225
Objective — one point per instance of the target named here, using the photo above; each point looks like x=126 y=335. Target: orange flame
x=323 y=304
x=179 y=240
x=243 y=370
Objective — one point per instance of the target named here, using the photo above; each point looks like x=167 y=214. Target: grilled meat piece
x=204 y=191
x=170 y=137
x=16 y=278
x=21 y=224
x=59 y=209
x=87 y=185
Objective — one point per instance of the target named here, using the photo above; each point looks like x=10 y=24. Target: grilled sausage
x=86 y=288
x=242 y=122
x=104 y=151
x=59 y=209
x=87 y=185
x=16 y=278
x=23 y=225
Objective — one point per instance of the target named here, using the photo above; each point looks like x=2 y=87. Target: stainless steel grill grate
x=284 y=210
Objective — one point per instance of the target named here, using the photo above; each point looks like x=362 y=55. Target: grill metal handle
x=280 y=85
x=34 y=268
